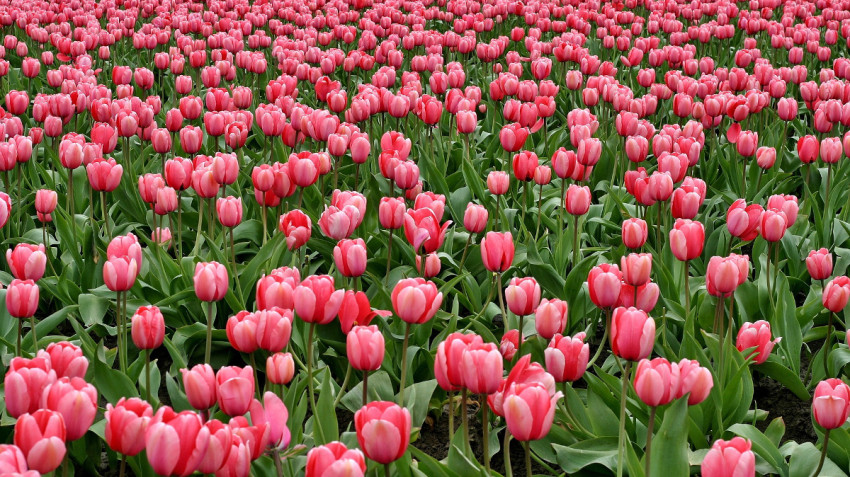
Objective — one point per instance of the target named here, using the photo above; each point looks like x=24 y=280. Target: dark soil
x=778 y=401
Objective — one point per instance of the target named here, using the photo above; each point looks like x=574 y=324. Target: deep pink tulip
x=211 y=281
x=529 y=410
x=126 y=423
x=522 y=295
x=481 y=367
x=22 y=298
x=66 y=359
x=729 y=459
x=76 y=401
x=200 y=386
x=383 y=431
x=566 y=357
x=604 y=283
x=416 y=300
x=41 y=438
x=551 y=318
x=656 y=381
x=234 y=389
x=835 y=294
x=632 y=334
x=831 y=403
x=335 y=459
x=365 y=348
x=687 y=239
x=694 y=381
x=497 y=251
x=176 y=442
x=27 y=261
x=317 y=300
x=280 y=368
x=756 y=335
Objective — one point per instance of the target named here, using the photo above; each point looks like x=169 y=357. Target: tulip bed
x=425 y=238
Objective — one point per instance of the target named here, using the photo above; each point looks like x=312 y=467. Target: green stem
x=823 y=453
x=826 y=344
x=344 y=385
x=687 y=281
x=387 y=469
x=403 y=364
x=519 y=339
x=464 y=418
x=575 y=241
x=208 y=350
x=527 y=458
x=365 y=387
x=148 y=375
x=649 y=428
x=485 y=433
x=451 y=416
x=123 y=466
x=506 y=452
x=316 y=424
x=389 y=257
x=502 y=301
x=18 y=344
x=621 y=445
x=465 y=250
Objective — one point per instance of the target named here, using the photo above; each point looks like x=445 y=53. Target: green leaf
x=804 y=462
x=326 y=414
x=763 y=447
x=787 y=377
x=600 y=451
x=670 y=444
x=111 y=383
x=93 y=308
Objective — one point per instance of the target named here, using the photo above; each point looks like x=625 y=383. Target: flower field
x=443 y=238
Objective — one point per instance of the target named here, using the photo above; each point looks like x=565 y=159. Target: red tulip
x=632 y=334
x=41 y=438
x=66 y=359
x=176 y=442
x=383 y=431
x=126 y=423
x=497 y=251
x=416 y=300
x=26 y=261
x=756 y=335
x=22 y=298
x=296 y=227
x=566 y=357
x=808 y=149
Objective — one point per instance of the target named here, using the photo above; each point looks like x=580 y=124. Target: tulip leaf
x=763 y=447
x=326 y=414
x=111 y=383
x=670 y=444
x=93 y=308
x=601 y=451
x=788 y=378
x=429 y=465
x=804 y=462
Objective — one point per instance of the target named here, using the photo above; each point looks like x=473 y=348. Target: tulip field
x=442 y=238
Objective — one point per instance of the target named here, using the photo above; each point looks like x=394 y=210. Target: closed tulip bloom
x=819 y=264
x=276 y=288
x=529 y=411
x=522 y=295
x=24 y=383
x=524 y=372
x=632 y=334
x=725 y=274
x=416 y=300
x=808 y=149
x=316 y=299
x=432 y=265
x=566 y=357
x=647 y=296
x=509 y=344
x=234 y=389
x=636 y=268
x=27 y=261
x=242 y=332
x=176 y=442
x=104 y=174
x=497 y=251
x=149 y=185
x=119 y=273
x=475 y=218
x=577 y=200
x=694 y=381
x=604 y=283
x=391 y=212
x=835 y=294
x=280 y=368
x=364 y=346
x=383 y=431
x=45 y=201
x=831 y=403
x=447 y=362
x=729 y=459
x=67 y=360
x=334 y=459
x=340 y=223
x=22 y=298
x=766 y=157
x=41 y=438
x=756 y=335
x=355 y=309
x=687 y=238
x=634 y=233
x=13 y=462
x=148 y=327
x=211 y=281
x=274 y=328
x=551 y=318
x=743 y=221
x=787 y=204
x=297 y=227
x=200 y=386
x=218 y=449
x=350 y=257
x=126 y=423
x=76 y=401
x=655 y=381
x=229 y=211
x=497 y=182
x=482 y=368
x=773 y=225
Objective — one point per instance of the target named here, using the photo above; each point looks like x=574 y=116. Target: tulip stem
x=621 y=445
x=343 y=386
x=528 y=458
x=519 y=339
x=485 y=433
x=179 y=224
x=265 y=224
x=464 y=418
x=575 y=241
x=502 y=301
x=451 y=416
x=539 y=212
x=389 y=258
x=403 y=365
x=826 y=345
x=277 y=465
x=317 y=427
x=208 y=349
x=823 y=453
x=687 y=289
x=506 y=454
x=105 y=215
x=649 y=428
x=599 y=349
x=465 y=250
x=20 y=329
x=123 y=466
x=256 y=376
x=387 y=469
x=148 y=375
x=365 y=387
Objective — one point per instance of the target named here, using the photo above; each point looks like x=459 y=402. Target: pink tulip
x=211 y=281
x=416 y=300
x=27 y=262
x=756 y=335
x=41 y=438
x=335 y=459
x=234 y=389
x=383 y=431
x=176 y=442
x=76 y=401
x=126 y=423
x=566 y=357
x=365 y=348
x=522 y=295
x=632 y=334
x=729 y=459
x=316 y=299
x=551 y=318
x=200 y=385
